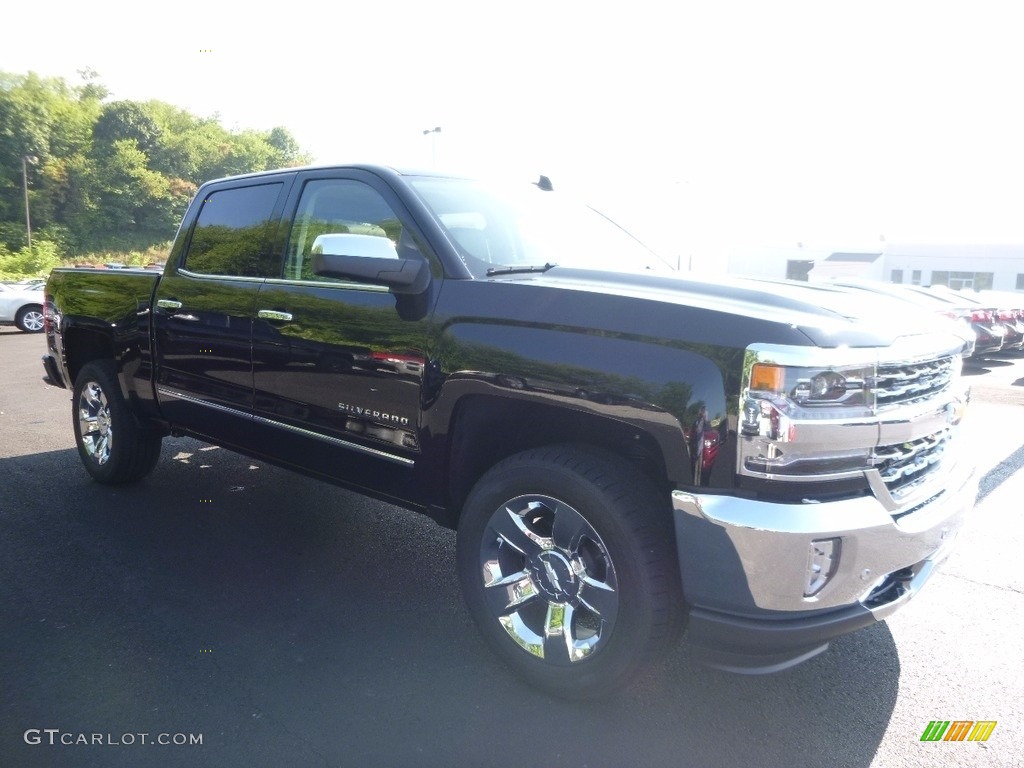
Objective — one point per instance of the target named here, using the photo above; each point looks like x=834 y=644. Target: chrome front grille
x=904 y=466
x=908 y=382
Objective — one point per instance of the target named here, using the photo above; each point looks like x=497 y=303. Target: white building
x=997 y=267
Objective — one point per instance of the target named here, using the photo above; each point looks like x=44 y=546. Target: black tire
x=30 y=319
x=578 y=548
x=114 y=448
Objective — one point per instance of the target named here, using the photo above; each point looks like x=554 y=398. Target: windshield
x=497 y=228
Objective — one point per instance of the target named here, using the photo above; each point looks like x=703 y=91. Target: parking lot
x=290 y=623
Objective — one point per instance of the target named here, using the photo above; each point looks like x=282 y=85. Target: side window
x=234 y=231
x=336 y=206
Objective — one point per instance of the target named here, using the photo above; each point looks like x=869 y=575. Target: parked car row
x=1006 y=310
x=989 y=321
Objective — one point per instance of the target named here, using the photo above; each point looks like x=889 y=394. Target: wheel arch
x=83 y=345
x=522 y=424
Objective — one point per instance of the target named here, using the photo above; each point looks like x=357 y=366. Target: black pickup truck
x=622 y=450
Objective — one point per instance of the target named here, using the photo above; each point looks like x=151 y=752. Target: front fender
x=663 y=390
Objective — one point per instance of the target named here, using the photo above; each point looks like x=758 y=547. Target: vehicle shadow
x=1000 y=473
x=991 y=362
x=975 y=367
x=293 y=623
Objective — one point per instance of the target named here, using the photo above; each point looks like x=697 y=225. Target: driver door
x=338 y=365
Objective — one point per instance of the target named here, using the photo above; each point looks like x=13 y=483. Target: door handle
x=168 y=304
x=273 y=314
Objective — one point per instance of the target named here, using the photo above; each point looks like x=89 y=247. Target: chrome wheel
x=98 y=410
x=94 y=423
x=548 y=579
x=567 y=562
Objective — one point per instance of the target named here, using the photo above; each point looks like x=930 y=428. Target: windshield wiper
x=518 y=270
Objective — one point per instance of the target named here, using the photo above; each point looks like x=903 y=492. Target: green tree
x=112 y=174
x=287 y=148
x=124 y=121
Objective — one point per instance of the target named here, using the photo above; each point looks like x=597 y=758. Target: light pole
x=433 y=143
x=25 y=160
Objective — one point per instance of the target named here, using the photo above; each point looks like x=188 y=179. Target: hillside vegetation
x=108 y=180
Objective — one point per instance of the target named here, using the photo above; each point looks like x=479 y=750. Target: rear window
x=234 y=232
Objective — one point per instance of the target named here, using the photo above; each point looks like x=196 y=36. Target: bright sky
x=702 y=124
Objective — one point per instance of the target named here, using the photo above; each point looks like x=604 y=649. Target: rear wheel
x=114 y=448
x=30 y=319
x=567 y=561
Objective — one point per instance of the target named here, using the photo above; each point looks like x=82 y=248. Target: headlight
x=812 y=386
x=823 y=386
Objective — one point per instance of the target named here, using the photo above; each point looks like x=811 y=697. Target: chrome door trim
x=290 y=428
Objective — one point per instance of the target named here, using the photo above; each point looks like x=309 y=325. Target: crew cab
x=622 y=450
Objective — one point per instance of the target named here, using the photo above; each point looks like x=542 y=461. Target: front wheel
x=567 y=562
x=114 y=448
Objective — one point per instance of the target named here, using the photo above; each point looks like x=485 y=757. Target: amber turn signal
x=767 y=378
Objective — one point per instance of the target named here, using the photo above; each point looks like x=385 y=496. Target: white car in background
x=22 y=306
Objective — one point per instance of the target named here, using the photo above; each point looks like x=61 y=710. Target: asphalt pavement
x=285 y=622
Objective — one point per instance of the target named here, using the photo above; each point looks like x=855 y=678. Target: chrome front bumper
x=744 y=567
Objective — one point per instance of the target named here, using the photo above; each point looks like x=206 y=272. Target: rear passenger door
x=203 y=310
x=338 y=364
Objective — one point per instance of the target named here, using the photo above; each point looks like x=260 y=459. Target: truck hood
x=827 y=316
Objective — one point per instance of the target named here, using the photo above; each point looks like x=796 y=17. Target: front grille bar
x=904 y=463
x=901 y=383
